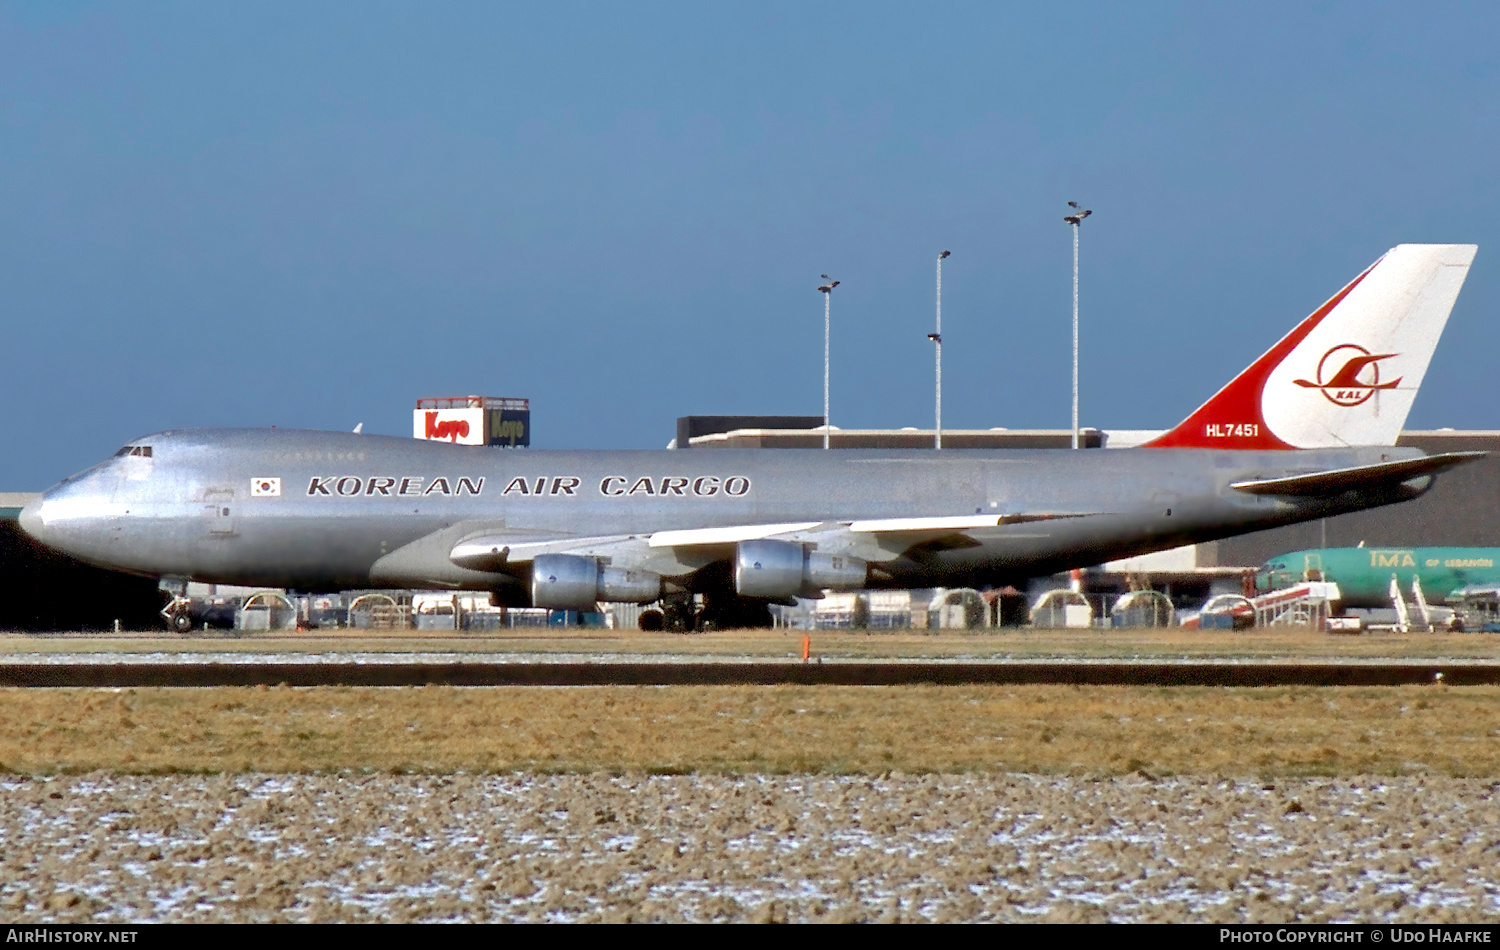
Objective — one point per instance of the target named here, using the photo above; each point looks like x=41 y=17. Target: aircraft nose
x=31 y=519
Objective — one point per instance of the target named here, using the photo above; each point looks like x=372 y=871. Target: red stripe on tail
x=1232 y=419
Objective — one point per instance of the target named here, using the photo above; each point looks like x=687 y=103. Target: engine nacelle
x=623 y=585
x=776 y=569
x=835 y=571
x=570 y=582
x=768 y=568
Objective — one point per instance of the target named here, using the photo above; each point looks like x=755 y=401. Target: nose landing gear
x=177 y=611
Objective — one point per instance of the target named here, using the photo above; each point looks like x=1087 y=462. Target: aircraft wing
x=497 y=552
x=682 y=551
x=1363 y=477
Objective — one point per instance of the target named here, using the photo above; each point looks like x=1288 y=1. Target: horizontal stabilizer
x=1339 y=480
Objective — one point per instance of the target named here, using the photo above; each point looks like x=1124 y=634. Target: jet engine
x=570 y=582
x=777 y=569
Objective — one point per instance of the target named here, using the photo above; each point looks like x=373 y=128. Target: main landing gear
x=719 y=611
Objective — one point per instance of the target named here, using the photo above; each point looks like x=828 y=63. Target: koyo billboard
x=473 y=420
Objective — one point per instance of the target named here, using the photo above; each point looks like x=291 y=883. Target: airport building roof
x=812 y=438
x=11 y=502
x=473 y=402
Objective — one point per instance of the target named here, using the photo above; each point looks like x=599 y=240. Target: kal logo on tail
x=1344 y=387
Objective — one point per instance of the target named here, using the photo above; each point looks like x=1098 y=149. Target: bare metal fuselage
x=351 y=511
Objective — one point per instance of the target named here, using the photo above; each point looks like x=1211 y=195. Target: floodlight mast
x=1075 y=220
x=827 y=291
x=937 y=439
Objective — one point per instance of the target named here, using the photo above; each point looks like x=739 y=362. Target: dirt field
x=101 y=848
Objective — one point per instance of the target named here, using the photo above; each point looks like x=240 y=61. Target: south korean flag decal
x=265 y=488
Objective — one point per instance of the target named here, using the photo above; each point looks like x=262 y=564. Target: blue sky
x=308 y=215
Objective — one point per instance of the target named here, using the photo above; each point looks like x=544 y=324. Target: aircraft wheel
x=181 y=622
x=651 y=620
x=679 y=618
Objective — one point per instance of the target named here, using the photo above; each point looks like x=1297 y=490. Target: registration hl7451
x=1229 y=430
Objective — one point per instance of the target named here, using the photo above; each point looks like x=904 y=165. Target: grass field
x=1044 y=729
x=1084 y=731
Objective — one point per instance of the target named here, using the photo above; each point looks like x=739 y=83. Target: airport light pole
x=827 y=291
x=1075 y=220
x=937 y=438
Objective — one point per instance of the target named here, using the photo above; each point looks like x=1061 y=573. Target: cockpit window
x=144 y=451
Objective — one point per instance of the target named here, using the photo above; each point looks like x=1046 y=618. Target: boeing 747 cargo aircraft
x=1307 y=431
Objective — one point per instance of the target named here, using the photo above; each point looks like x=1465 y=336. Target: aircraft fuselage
x=327 y=511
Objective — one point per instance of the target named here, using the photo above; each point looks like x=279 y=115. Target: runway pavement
x=353 y=669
